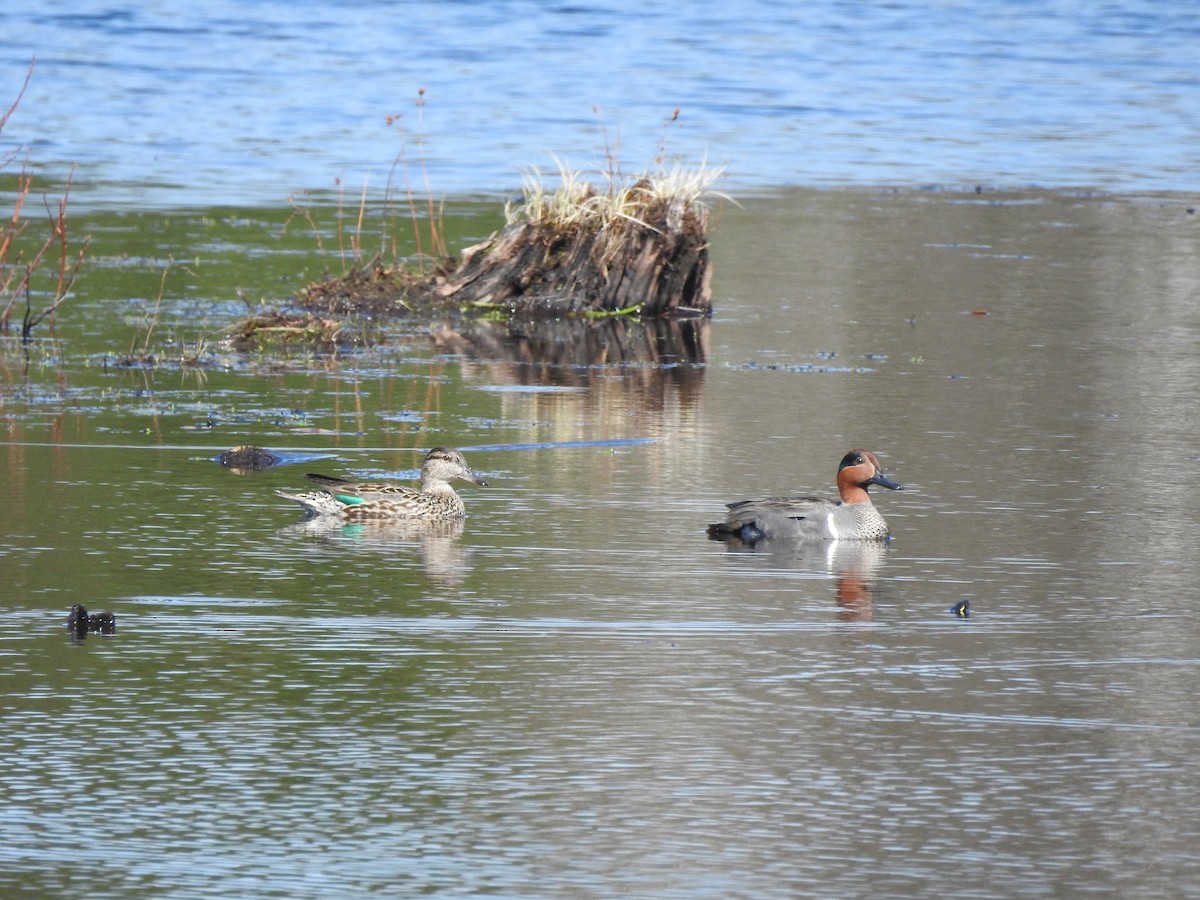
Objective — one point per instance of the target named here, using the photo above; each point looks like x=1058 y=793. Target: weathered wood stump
x=652 y=257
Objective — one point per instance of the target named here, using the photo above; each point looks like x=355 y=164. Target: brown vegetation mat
x=277 y=328
x=373 y=289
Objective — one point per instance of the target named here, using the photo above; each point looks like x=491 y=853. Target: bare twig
x=17 y=279
x=21 y=93
x=68 y=267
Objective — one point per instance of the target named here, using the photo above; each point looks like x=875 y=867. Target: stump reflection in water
x=613 y=341
x=658 y=354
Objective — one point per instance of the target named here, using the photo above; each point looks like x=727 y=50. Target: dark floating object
x=962 y=609
x=248 y=458
x=79 y=622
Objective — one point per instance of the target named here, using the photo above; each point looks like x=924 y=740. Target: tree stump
x=650 y=257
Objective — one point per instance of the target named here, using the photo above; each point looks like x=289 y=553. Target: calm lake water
x=183 y=104
x=580 y=695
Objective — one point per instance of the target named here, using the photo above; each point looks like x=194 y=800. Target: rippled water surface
x=579 y=694
x=178 y=103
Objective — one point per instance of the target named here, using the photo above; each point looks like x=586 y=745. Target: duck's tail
x=745 y=532
x=316 y=503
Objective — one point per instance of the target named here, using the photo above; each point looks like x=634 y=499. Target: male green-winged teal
x=853 y=518
x=362 y=502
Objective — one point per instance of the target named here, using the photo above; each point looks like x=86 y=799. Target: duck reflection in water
x=854 y=565
x=444 y=560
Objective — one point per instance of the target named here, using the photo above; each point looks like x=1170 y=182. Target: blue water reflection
x=176 y=103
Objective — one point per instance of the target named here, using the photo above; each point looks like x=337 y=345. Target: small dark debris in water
x=560 y=445
x=134 y=361
x=79 y=622
x=1191 y=210
x=962 y=609
x=752 y=366
x=248 y=458
x=206 y=425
